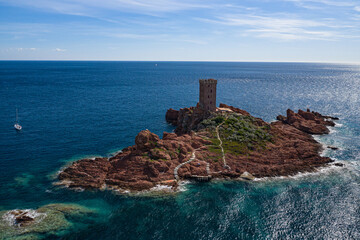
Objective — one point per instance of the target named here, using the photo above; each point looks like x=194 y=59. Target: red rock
x=309 y=122
x=234 y=109
x=169 y=136
x=172 y=116
x=159 y=153
x=307 y=115
x=146 y=140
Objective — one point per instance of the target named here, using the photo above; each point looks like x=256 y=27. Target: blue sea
x=75 y=109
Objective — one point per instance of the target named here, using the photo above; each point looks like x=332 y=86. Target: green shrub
x=239 y=133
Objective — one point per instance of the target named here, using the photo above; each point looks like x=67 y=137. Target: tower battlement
x=207 y=96
x=202 y=81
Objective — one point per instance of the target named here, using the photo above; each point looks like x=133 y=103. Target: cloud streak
x=283 y=28
x=94 y=7
x=325 y=2
x=20 y=49
x=60 y=50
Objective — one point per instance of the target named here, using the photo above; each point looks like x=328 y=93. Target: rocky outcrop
x=309 y=122
x=86 y=173
x=146 y=140
x=247 y=176
x=234 y=109
x=188 y=118
x=152 y=161
x=171 y=116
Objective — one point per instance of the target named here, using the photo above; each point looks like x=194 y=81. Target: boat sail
x=17 y=126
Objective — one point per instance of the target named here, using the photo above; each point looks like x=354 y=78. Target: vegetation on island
x=239 y=134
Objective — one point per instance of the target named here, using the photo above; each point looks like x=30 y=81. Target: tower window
x=211 y=90
x=208 y=96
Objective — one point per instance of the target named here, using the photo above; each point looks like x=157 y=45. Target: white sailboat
x=17 y=126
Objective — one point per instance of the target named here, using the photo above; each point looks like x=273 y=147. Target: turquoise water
x=71 y=110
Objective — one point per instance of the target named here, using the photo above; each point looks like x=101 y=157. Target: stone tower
x=207 y=99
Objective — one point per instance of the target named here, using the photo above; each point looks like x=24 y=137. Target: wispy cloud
x=123 y=35
x=60 y=50
x=343 y=3
x=357 y=8
x=92 y=7
x=155 y=37
x=320 y=5
x=19 y=49
x=199 y=42
x=279 y=27
x=24 y=30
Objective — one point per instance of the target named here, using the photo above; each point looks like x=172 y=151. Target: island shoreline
x=150 y=155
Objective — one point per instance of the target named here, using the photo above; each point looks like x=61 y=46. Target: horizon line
x=223 y=61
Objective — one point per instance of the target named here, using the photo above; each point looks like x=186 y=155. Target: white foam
x=324 y=149
x=65 y=183
x=113 y=154
x=328 y=170
x=332 y=130
x=273 y=120
x=182 y=186
x=78 y=189
x=339 y=125
x=161 y=188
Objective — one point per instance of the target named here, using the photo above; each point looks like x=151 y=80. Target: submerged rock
x=22 y=218
x=333 y=147
x=37 y=224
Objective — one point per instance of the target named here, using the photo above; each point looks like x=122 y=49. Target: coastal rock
x=172 y=116
x=309 y=122
x=146 y=140
x=86 y=173
x=187 y=118
x=306 y=115
x=247 y=176
x=159 y=153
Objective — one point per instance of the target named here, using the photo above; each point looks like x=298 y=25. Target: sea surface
x=72 y=110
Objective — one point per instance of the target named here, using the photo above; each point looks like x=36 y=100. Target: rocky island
x=209 y=142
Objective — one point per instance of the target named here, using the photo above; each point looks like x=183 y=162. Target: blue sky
x=181 y=30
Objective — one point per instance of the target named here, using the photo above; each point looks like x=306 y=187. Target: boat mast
x=16 y=115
